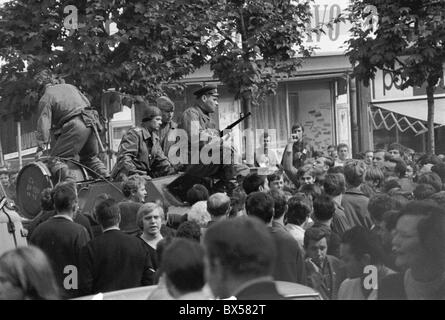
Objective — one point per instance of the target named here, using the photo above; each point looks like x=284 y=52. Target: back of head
x=362 y=241
x=280 y=203
x=432 y=179
x=197 y=193
x=379 y=204
x=334 y=184
x=298 y=210
x=243 y=246
x=46 y=199
x=199 y=214
x=324 y=208
x=428 y=159
x=252 y=182
x=183 y=265
x=108 y=213
x=218 y=204
x=423 y=191
x=29 y=270
x=260 y=205
x=336 y=169
x=374 y=174
x=65 y=196
x=132 y=185
x=189 y=230
x=314 y=190
x=354 y=171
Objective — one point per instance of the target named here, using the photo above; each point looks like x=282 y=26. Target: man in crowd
x=240 y=256
x=264 y=156
x=67 y=114
x=218 y=205
x=134 y=192
x=335 y=186
x=140 y=151
x=255 y=182
x=113 y=260
x=343 y=154
x=167 y=108
x=59 y=237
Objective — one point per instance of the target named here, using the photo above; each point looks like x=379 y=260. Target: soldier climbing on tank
x=65 y=111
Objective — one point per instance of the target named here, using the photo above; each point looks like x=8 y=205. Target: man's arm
x=288 y=166
x=128 y=151
x=161 y=164
x=44 y=122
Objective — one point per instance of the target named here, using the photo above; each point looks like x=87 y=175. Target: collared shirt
x=110 y=228
x=63 y=216
x=251 y=282
x=297 y=232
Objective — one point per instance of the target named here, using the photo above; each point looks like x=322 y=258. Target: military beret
x=150 y=112
x=165 y=104
x=208 y=90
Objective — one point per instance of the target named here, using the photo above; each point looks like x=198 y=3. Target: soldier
x=65 y=111
x=140 y=151
x=167 y=108
x=199 y=114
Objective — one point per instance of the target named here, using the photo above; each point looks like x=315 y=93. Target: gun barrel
x=232 y=125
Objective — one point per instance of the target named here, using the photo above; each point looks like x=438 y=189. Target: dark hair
x=277 y=175
x=313 y=190
x=431 y=229
x=189 y=230
x=423 y=191
x=396 y=146
x=296 y=126
x=342 y=145
x=108 y=213
x=183 y=265
x=260 y=205
x=324 y=207
x=131 y=185
x=362 y=241
x=429 y=158
x=354 y=171
x=46 y=199
x=334 y=184
x=280 y=203
x=197 y=193
x=400 y=168
x=390 y=219
x=242 y=245
x=379 y=204
x=298 y=210
x=432 y=179
x=390 y=184
x=314 y=234
x=252 y=182
x=307 y=168
x=64 y=196
x=337 y=169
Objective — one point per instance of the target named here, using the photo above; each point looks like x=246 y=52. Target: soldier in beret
x=140 y=151
x=206 y=103
x=167 y=108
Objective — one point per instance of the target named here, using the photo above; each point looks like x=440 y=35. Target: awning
x=406 y=115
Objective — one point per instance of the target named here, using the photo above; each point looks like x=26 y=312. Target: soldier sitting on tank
x=67 y=113
x=140 y=151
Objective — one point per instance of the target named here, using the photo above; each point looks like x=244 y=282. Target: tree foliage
x=408 y=42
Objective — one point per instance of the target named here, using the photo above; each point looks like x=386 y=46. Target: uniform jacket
x=140 y=152
x=207 y=125
x=163 y=136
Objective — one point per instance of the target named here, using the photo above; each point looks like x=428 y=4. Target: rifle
x=232 y=125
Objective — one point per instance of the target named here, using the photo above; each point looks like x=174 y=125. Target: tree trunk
x=430 y=147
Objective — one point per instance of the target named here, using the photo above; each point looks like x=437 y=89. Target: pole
x=19 y=143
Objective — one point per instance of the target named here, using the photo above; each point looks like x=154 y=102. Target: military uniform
x=65 y=111
x=163 y=136
x=140 y=152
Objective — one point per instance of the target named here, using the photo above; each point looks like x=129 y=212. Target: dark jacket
x=355 y=204
x=264 y=290
x=114 y=261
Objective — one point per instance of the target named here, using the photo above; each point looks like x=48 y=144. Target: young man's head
x=297 y=131
x=379 y=156
x=149 y=219
x=134 y=188
x=306 y=174
x=280 y=203
x=276 y=181
x=167 y=108
x=343 y=151
x=108 y=214
x=236 y=251
x=324 y=208
x=254 y=182
x=369 y=157
x=65 y=198
x=260 y=205
x=360 y=248
x=331 y=149
x=298 y=211
x=316 y=245
x=322 y=164
x=4 y=178
x=218 y=205
x=395 y=150
x=197 y=193
x=354 y=172
x=151 y=118
x=379 y=204
x=334 y=184
x=207 y=98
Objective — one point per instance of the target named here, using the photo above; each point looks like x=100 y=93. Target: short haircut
x=132 y=185
x=423 y=191
x=313 y=190
x=400 y=168
x=296 y=126
x=46 y=199
x=189 y=230
x=197 y=193
x=328 y=161
x=337 y=169
x=362 y=241
x=306 y=169
x=64 y=196
x=145 y=210
x=429 y=159
x=431 y=229
x=390 y=219
x=341 y=146
x=260 y=205
x=396 y=146
x=390 y=184
x=183 y=265
x=280 y=203
x=354 y=171
x=199 y=214
x=334 y=184
x=379 y=204
x=252 y=182
x=432 y=179
x=277 y=175
x=324 y=207
x=314 y=234
x=218 y=204
x=374 y=174
x=108 y=213
x=298 y=210
x=242 y=245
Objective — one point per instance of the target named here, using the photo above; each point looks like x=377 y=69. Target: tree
x=257 y=42
x=408 y=42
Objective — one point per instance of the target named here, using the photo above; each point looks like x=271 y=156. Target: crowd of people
x=365 y=229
